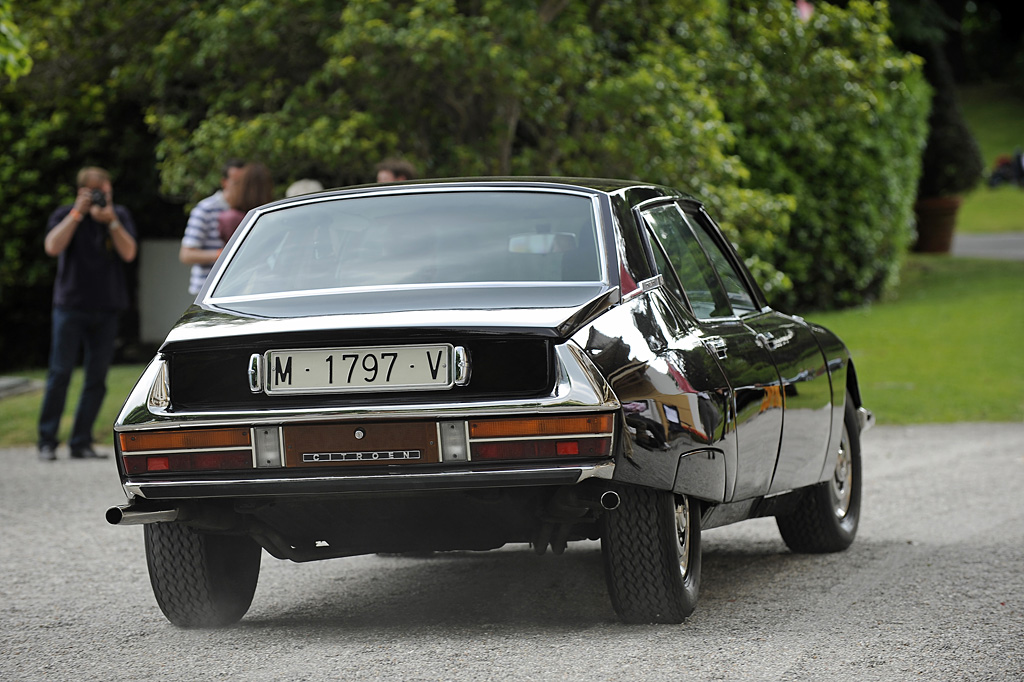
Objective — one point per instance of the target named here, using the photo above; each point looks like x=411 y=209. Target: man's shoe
x=47 y=453
x=86 y=453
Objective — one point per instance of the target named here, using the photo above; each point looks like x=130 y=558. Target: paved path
x=932 y=590
x=1005 y=246
x=14 y=385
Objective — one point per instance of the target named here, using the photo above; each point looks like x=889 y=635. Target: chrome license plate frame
x=359 y=369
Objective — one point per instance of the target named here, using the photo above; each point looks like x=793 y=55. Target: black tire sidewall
x=847 y=526
x=814 y=526
x=201 y=579
x=641 y=560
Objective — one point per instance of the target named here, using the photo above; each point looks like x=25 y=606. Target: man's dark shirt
x=90 y=274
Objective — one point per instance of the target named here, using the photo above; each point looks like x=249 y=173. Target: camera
x=99 y=198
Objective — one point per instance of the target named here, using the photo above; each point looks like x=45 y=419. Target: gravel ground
x=933 y=589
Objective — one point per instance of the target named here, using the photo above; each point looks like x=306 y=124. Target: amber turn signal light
x=598 y=424
x=187 y=439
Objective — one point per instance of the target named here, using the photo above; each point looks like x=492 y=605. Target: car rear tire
x=651 y=548
x=829 y=513
x=201 y=580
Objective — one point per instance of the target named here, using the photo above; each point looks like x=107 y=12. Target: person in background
x=395 y=170
x=303 y=186
x=201 y=244
x=251 y=188
x=91 y=239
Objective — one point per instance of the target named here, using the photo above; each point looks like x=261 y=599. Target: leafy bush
x=831 y=113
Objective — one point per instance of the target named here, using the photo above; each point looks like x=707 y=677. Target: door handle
x=718 y=346
x=766 y=340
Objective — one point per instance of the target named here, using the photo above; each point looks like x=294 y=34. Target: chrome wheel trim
x=682 y=516
x=841 y=486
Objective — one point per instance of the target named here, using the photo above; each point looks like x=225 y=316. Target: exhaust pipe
x=609 y=500
x=128 y=515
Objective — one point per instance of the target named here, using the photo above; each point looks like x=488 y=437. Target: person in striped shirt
x=201 y=244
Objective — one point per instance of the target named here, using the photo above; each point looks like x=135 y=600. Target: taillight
x=583 y=447
x=184 y=439
x=540 y=426
x=541 y=437
x=186 y=450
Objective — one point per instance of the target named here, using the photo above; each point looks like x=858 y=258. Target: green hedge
x=827 y=111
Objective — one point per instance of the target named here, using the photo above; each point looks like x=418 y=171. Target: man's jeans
x=94 y=332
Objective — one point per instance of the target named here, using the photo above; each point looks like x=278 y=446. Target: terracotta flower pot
x=936 y=220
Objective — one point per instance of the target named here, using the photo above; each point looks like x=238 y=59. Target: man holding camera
x=91 y=239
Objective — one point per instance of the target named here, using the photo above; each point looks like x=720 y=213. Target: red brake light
x=188 y=461
x=540 y=449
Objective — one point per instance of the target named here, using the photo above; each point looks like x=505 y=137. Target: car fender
x=674 y=413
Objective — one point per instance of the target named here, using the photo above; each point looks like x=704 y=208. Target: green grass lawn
x=18 y=414
x=948 y=349
x=995 y=114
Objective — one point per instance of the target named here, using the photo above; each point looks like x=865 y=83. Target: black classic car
x=461 y=364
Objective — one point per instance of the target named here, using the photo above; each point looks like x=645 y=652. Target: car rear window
x=417 y=239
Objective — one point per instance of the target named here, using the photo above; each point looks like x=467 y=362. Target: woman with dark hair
x=253 y=187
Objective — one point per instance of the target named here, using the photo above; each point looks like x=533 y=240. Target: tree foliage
x=14 y=57
x=830 y=113
x=463 y=89
x=784 y=129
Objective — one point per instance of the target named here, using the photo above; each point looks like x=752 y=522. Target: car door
x=746 y=363
x=805 y=382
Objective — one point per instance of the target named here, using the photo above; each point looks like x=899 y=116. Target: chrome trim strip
x=143 y=390
x=632 y=294
x=440 y=442
x=440 y=411
x=160 y=392
x=463 y=368
x=564 y=436
x=280 y=444
x=252 y=439
x=182 y=451
x=651 y=283
x=255 y=373
x=334 y=291
x=432 y=480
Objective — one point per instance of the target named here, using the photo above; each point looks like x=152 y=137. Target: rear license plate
x=365 y=368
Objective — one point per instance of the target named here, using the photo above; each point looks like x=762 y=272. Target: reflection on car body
x=462 y=364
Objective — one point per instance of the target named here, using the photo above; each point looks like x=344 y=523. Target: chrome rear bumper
x=280 y=486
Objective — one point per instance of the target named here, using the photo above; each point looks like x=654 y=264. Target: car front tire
x=652 y=555
x=829 y=514
x=201 y=580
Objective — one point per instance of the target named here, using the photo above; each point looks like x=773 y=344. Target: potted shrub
x=951 y=163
